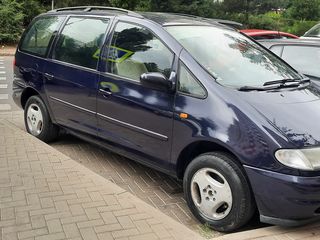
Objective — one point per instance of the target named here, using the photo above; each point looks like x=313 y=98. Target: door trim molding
x=133 y=127
x=72 y=105
x=113 y=120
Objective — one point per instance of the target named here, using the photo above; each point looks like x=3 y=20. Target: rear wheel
x=218 y=192
x=37 y=120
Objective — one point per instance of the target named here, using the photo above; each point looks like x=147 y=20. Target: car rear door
x=71 y=75
x=131 y=116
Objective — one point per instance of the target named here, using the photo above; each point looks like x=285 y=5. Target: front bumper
x=285 y=199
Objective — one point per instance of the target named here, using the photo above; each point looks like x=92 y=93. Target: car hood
x=295 y=114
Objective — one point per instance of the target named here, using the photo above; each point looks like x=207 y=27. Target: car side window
x=188 y=84
x=80 y=41
x=38 y=37
x=135 y=50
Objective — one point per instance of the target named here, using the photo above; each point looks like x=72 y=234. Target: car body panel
x=65 y=88
x=302 y=131
x=294 y=197
x=28 y=76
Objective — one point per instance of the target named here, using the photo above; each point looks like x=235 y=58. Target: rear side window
x=80 y=41
x=135 y=50
x=303 y=58
x=38 y=37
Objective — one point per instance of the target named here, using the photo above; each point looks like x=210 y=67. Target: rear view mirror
x=155 y=80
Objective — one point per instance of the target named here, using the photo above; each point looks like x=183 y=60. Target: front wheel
x=37 y=120
x=218 y=192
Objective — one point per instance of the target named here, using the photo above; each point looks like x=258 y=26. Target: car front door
x=136 y=118
x=71 y=77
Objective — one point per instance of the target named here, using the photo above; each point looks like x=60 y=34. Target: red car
x=259 y=34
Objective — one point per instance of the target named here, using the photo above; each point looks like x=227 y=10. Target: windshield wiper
x=282 y=82
x=272 y=85
x=249 y=88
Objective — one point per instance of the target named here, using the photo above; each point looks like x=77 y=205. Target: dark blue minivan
x=184 y=95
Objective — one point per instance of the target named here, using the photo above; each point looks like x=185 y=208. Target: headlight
x=303 y=159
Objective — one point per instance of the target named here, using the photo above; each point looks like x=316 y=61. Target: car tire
x=37 y=120
x=218 y=192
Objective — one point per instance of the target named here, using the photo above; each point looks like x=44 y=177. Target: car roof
x=92 y=10
x=300 y=42
x=164 y=19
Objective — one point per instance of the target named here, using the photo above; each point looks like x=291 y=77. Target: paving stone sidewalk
x=155 y=188
x=46 y=195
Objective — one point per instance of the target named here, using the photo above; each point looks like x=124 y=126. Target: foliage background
x=294 y=16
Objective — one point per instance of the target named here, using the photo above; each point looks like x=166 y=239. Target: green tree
x=11 y=21
x=204 y=8
x=234 y=6
x=304 y=10
x=263 y=6
x=31 y=8
x=127 y=4
x=72 y=3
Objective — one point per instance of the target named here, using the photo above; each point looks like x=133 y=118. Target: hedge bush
x=11 y=21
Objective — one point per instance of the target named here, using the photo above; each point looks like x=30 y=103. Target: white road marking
x=2 y=72
x=2 y=67
x=5 y=107
x=4 y=96
x=3 y=86
x=3 y=78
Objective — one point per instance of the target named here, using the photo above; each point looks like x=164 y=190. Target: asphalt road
x=6 y=78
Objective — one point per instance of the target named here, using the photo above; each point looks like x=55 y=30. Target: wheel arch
x=194 y=149
x=26 y=94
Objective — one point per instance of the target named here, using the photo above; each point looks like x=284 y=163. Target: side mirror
x=155 y=80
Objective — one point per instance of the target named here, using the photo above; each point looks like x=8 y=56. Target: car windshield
x=313 y=32
x=231 y=58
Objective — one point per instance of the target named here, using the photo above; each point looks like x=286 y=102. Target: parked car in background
x=259 y=34
x=313 y=33
x=302 y=55
x=194 y=99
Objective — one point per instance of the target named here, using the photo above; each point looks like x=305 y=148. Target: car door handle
x=48 y=76
x=105 y=92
